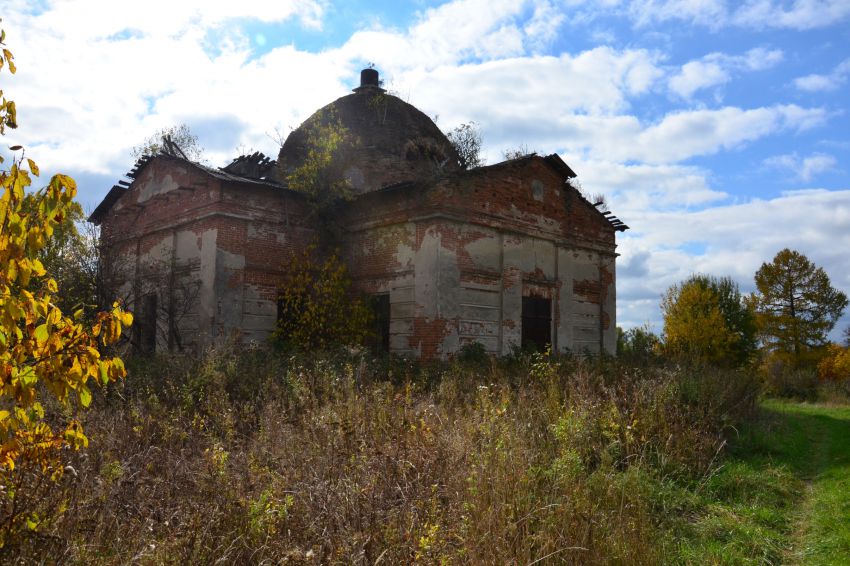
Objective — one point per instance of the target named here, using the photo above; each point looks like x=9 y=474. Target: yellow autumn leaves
x=317 y=306
x=705 y=319
x=835 y=365
x=38 y=343
x=43 y=352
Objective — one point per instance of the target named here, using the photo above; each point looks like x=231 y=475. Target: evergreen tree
x=796 y=305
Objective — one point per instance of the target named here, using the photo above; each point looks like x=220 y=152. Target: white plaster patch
x=426 y=268
x=158 y=253
x=207 y=301
x=155 y=187
x=484 y=251
x=187 y=246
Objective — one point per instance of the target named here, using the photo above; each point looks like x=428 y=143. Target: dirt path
x=819 y=442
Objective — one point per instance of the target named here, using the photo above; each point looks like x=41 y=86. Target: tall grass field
x=252 y=457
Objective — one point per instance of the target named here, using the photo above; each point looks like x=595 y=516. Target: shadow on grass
x=810 y=439
x=820 y=455
x=751 y=509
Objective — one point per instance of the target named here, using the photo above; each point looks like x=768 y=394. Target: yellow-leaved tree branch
x=43 y=352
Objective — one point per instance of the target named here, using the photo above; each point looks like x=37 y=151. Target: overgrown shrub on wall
x=317 y=309
x=328 y=153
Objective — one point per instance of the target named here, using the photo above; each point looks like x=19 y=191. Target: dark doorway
x=536 y=323
x=380 y=322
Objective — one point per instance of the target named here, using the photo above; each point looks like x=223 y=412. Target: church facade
x=501 y=255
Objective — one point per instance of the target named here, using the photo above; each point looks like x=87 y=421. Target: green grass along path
x=820 y=457
x=783 y=497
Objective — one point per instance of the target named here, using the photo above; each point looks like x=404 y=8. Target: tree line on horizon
x=784 y=324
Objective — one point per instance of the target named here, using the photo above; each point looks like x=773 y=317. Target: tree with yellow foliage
x=705 y=319
x=43 y=352
x=835 y=364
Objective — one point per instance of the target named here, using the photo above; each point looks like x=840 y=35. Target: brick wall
x=455 y=255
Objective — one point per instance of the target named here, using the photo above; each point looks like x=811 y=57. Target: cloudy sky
x=718 y=130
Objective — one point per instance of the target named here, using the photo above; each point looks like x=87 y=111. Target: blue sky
x=718 y=130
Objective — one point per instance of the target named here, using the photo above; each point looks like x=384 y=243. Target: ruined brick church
x=502 y=255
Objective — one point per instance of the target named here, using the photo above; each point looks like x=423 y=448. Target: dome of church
x=385 y=140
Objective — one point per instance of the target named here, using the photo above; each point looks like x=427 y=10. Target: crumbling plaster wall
x=158 y=239
x=470 y=281
x=179 y=227
x=457 y=259
x=382 y=260
x=259 y=229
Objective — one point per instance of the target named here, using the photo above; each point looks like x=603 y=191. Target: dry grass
x=258 y=458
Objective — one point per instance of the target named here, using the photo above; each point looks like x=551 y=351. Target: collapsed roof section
x=255 y=168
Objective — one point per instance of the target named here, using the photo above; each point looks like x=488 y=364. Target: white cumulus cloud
x=716 y=14
x=798 y=15
x=735 y=240
x=831 y=81
x=803 y=168
x=717 y=68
